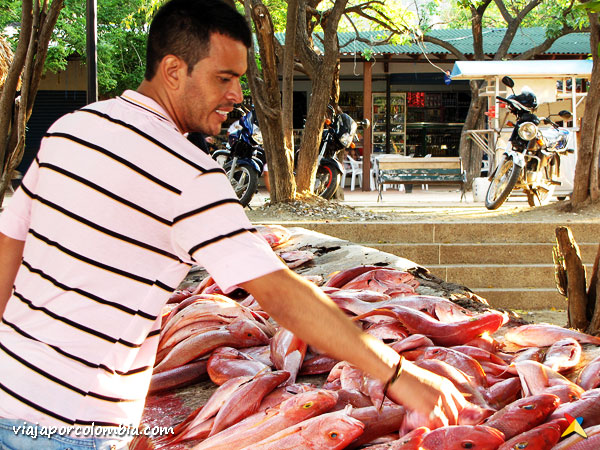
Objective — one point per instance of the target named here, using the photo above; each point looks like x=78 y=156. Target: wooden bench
x=395 y=169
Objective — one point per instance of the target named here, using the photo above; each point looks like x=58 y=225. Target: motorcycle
x=532 y=162
x=243 y=159
x=339 y=133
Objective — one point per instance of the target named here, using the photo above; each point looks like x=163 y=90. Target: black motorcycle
x=532 y=163
x=339 y=133
x=243 y=159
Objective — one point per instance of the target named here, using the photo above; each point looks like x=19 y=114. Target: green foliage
x=593 y=6
x=548 y=14
x=122 y=28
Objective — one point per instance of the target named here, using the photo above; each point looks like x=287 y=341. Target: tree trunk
x=576 y=282
x=37 y=23
x=470 y=153
x=287 y=84
x=586 y=169
x=309 y=149
x=267 y=101
x=593 y=305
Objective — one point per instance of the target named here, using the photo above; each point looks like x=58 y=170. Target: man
x=112 y=214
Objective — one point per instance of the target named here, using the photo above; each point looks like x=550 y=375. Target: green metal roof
x=525 y=38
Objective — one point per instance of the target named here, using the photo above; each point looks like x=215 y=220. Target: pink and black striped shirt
x=114 y=211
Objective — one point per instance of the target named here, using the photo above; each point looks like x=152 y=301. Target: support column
x=91 y=51
x=367 y=114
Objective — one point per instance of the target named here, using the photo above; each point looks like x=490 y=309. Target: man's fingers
x=451 y=411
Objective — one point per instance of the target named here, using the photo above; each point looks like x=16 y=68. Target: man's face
x=213 y=87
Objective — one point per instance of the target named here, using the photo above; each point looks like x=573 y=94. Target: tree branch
x=545 y=45
x=444 y=44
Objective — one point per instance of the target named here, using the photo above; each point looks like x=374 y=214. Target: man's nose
x=235 y=94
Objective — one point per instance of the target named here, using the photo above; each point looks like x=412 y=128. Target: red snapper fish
x=460 y=437
x=564 y=354
x=263 y=424
x=287 y=352
x=378 y=422
x=442 y=333
x=542 y=437
x=342 y=277
x=544 y=335
x=227 y=362
x=275 y=235
x=246 y=399
x=536 y=378
x=463 y=382
x=410 y=441
x=589 y=377
x=295 y=258
x=459 y=360
x=523 y=414
x=239 y=333
x=330 y=431
x=577 y=442
x=588 y=407
x=387 y=281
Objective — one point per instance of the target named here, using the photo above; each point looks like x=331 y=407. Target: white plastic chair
x=425 y=187
x=356 y=172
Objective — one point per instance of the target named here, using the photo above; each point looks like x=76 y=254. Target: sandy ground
x=437 y=205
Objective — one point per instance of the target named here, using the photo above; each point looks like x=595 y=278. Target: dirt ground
x=323 y=210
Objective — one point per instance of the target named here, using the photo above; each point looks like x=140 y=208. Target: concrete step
x=478 y=253
x=499 y=276
x=520 y=299
x=509 y=264
x=471 y=232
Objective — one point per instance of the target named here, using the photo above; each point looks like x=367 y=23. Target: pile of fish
x=524 y=387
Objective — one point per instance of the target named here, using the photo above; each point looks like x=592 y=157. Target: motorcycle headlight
x=257 y=136
x=346 y=139
x=527 y=131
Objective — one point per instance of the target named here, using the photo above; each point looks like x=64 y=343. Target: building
x=404 y=90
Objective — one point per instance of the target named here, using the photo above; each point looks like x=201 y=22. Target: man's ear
x=173 y=71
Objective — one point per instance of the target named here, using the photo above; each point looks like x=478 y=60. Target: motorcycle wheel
x=502 y=184
x=244 y=182
x=327 y=181
x=540 y=196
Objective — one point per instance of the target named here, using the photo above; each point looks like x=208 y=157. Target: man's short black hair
x=183 y=28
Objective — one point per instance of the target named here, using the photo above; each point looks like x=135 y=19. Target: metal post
x=91 y=51
x=388 y=112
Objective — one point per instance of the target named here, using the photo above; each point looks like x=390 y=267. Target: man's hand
x=428 y=393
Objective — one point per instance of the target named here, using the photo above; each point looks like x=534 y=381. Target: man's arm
x=302 y=308
x=11 y=253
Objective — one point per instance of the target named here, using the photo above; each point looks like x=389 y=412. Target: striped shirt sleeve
x=14 y=220
x=211 y=229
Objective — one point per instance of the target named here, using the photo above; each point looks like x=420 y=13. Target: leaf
x=593 y=6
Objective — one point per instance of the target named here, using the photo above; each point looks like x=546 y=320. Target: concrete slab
x=504 y=253
x=530 y=276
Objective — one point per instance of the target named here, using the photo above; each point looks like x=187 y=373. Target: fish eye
x=249 y=334
x=521 y=445
x=528 y=407
x=333 y=435
x=307 y=405
x=467 y=445
x=573 y=397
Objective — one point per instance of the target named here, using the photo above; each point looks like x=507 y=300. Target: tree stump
x=570 y=258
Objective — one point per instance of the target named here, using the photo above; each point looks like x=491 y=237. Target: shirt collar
x=147 y=104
